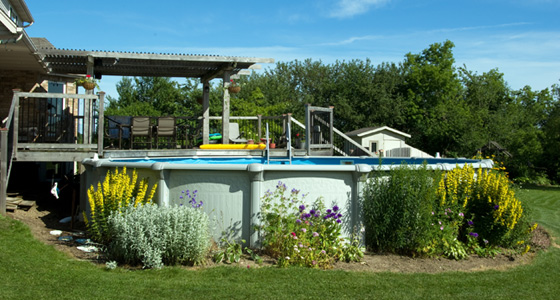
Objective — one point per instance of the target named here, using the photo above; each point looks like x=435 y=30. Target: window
x=13 y=16
x=373 y=146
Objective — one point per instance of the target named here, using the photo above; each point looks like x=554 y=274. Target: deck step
x=26 y=204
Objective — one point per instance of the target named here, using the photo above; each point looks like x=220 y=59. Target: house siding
x=10 y=80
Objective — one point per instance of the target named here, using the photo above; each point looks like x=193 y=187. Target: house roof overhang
x=206 y=67
x=22 y=10
x=18 y=54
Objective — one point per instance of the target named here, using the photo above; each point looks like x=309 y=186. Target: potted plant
x=300 y=141
x=234 y=88
x=87 y=82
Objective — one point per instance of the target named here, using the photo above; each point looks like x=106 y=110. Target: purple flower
x=298 y=221
x=338 y=221
x=301 y=207
x=485 y=241
x=470 y=223
x=307 y=216
x=474 y=234
x=329 y=211
x=312 y=211
x=294 y=191
x=335 y=208
x=496 y=207
x=339 y=215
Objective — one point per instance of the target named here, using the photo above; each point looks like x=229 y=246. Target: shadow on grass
x=551 y=188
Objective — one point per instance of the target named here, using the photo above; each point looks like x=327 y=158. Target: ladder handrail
x=342 y=135
x=288 y=144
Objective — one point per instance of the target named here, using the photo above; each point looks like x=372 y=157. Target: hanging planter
x=234 y=89
x=87 y=82
x=88 y=85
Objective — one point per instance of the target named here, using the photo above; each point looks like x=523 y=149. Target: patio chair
x=116 y=128
x=234 y=135
x=141 y=130
x=167 y=129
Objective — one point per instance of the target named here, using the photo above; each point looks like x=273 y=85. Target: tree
x=436 y=112
x=148 y=96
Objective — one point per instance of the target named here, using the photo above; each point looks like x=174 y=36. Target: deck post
x=225 y=109
x=100 y=124
x=3 y=169
x=205 y=112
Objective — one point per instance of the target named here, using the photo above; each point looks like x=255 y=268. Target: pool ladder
x=288 y=144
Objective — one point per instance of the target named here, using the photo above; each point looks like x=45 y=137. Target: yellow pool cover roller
x=234 y=146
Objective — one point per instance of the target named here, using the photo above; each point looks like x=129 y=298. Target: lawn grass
x=32 y=270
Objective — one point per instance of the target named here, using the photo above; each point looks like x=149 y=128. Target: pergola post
x=225 y=109
x=205 y=112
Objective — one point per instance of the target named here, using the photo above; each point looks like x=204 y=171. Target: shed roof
x=373 y=130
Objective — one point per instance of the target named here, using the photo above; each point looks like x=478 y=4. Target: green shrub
x=493 y=214
x=156 y=236
x=302 y=236
x=117 y=192
x=397 y=208
x=466 y=212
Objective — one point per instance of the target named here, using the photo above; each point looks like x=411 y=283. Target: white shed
x=385 y=140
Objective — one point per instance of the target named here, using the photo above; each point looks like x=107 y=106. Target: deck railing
x=44 y=123
x=189 y=133
x=47 y=127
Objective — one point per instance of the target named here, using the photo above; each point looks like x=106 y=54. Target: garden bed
x=44 y=218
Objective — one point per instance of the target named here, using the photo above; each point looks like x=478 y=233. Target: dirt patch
x=44 y=218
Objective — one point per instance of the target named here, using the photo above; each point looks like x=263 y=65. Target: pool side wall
x=232 y=193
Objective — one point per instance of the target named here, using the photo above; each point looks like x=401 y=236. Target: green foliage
x=254 y=256
x=231 y=251
x=397 y=208
x=44 y=268
x=157 y=236
x=298 y=236
x=117 y=192
x=466 y=212
x=446 y=109
x=147 y=96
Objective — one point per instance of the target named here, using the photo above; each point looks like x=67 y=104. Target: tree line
x=446 y=109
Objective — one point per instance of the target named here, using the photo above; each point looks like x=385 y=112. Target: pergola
x=65 y=62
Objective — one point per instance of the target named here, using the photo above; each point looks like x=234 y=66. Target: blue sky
x=521 y=38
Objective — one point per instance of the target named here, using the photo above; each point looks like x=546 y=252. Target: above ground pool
x=300 y=160
x=232 y=188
